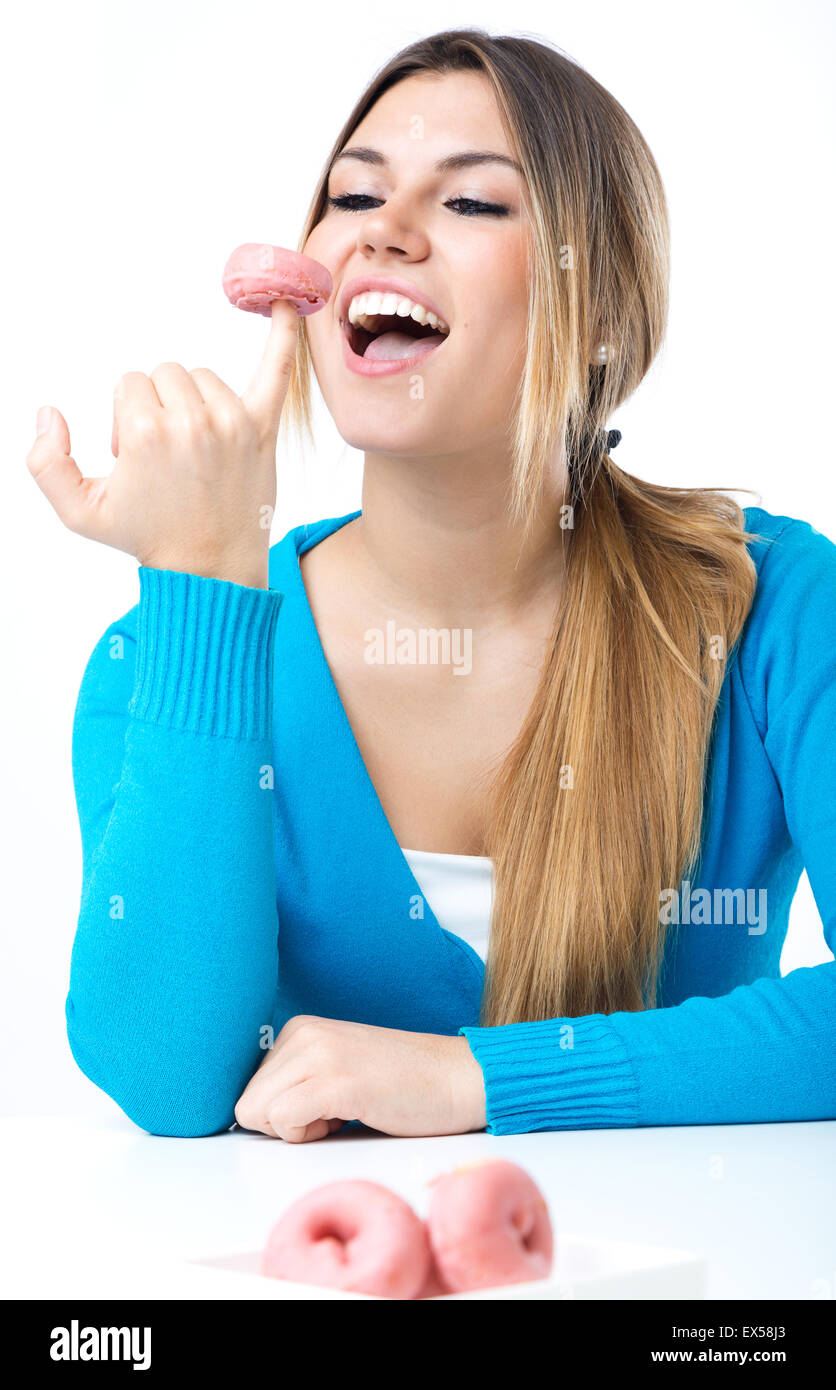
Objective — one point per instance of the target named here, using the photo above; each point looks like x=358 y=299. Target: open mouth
x=407 y=332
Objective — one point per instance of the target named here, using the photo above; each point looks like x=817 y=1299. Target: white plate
x=582 y=1269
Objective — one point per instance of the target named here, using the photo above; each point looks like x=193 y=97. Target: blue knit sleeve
x=175 y=957
x=763 y=1052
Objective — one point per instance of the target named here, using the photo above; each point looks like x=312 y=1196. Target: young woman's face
x=455 y=236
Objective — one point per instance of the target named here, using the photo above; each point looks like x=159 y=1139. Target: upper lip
x=390 y=284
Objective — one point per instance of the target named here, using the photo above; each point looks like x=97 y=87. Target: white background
x=142 y=142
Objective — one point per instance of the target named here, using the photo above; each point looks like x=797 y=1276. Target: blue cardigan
x=238 y=868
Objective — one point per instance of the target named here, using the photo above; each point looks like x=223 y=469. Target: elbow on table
x=161 y=1113
x=159 y=1100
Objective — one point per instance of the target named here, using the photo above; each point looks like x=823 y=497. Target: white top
x=459 y=890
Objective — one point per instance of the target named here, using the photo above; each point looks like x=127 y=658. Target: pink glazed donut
x=489 y=1225
x=356 y=1236
x=255 y=275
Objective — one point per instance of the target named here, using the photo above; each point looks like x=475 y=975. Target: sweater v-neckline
x=304 y=538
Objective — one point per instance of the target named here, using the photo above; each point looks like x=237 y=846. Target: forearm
x=761 y=1053
x=174 y=963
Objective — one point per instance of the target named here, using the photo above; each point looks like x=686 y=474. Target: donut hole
x=338 y=1235
x=523 y=1223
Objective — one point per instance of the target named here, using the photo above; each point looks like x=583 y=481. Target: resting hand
x=321 y=1072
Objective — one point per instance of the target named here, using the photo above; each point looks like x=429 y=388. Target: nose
x=392 y=230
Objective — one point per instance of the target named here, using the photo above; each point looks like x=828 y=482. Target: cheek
x=495 y=295
x=316 y=239
x=332 y=243
x=490 y=350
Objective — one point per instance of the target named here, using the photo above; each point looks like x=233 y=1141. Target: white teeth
x=371 y=303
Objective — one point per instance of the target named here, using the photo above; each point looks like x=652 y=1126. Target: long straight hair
x=596 y=810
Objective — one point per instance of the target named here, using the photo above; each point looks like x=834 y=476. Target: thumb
x=264 y=397
x=58 y=475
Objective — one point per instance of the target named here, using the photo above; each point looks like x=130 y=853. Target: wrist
x=250 y=578
x=252 y=574
x=469 y=1100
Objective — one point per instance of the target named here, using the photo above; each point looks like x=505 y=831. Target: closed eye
x=464 y=207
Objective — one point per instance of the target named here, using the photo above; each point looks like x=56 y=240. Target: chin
x=393 y=444
x=395 y=436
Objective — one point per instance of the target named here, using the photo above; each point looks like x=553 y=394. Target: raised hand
x=194 y=484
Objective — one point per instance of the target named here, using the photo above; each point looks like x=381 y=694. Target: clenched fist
x=321 y=1072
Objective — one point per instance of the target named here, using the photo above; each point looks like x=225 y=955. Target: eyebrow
x=463 y=159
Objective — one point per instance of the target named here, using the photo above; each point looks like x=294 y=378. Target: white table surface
x=100 y=1209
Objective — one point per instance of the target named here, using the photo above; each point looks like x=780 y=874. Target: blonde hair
x=597 y=807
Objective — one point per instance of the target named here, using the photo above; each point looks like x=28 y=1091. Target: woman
x=288 y=815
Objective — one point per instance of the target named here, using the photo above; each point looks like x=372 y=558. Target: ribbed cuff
x=204 y=660
x=563 y=1073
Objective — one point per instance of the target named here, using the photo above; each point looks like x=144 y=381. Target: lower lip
x=364 y=368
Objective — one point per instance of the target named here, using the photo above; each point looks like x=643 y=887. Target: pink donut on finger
x=257 y=274
x=357 y=1236
x=489 y=1225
